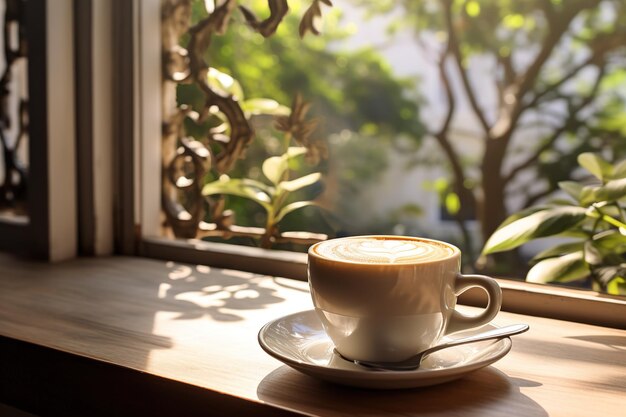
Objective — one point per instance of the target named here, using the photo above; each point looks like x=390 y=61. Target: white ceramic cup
x=380 y=308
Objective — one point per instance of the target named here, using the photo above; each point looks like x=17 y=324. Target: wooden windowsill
x=132 y=336
x=582 y=306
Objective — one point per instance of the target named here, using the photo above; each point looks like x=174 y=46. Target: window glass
x=433 y=118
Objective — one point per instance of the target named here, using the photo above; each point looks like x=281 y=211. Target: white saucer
x=299 y=341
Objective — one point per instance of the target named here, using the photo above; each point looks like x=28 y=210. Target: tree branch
x=533 y=198
x=449 y=97
x=524 y=82
x=537 y=124
x=452 y=156
x=548 y=9
x=532 y=159
x=570 y=122
x=557 y=30
x=552 y=87
x=600 y=46
x=442 y=134
x=508 y=76
x=525 y=189
x=453 y=45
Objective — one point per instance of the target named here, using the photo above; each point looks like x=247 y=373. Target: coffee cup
x=386 y=298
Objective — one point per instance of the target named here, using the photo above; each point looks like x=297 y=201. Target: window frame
x=30 y=233
x=140 y=233
x=49 y=229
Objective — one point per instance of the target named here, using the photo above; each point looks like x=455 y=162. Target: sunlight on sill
x=542 y=300
x=197 y=292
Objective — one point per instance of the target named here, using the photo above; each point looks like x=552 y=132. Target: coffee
x=383 y=250
x=385 y=298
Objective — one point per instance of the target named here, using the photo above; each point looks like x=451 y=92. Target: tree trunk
x=492 y=210
x=491 y=207
x=467 y=199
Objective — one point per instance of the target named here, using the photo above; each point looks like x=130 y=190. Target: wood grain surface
x=196 y=326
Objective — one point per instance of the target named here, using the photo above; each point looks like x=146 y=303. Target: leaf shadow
x=199 y=291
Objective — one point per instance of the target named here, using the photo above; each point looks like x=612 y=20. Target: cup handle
x=463 y=283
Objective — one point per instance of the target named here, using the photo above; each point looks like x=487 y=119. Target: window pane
x=431 y=118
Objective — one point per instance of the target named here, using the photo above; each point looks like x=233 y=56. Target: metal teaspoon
x=415 y=361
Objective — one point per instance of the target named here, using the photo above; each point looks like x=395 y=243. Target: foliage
x=597 y=219
x=543 y=80
x=276 y=195
x=353 y=92
x=274 y=198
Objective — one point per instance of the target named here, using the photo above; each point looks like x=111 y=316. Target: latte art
x=383 y=250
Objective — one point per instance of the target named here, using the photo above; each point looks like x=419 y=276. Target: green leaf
x=577 y=231
x=540 y=224
x=609 y=210
x=588 y=195
x=572 y=188
x=612 y=190
x=616 y=286
x=441 y=185
x=293 y=207
x=224 y=84
x=524 y=213
x=258 y=184
x=606 y=274
x=513 y=21
x=409 y=209
x=593 y=255
x=472 y=8
x=295 y=151
x=611 y=241
x=242 y=188
x=619 y=170
x=453 y=203
x=301 y=182
x=558 y=250
x=560 y=202
x=596 y=165
x=274 y=168
x=265 y=106
x=565 y=268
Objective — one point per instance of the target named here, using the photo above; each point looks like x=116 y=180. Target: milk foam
x=386 y=250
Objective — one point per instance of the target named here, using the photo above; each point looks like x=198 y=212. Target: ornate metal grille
x=14 y=110
x=186 y=160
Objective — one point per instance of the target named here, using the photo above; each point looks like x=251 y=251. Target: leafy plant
x=273 y=197
x=526 y=86
x=595 y=221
